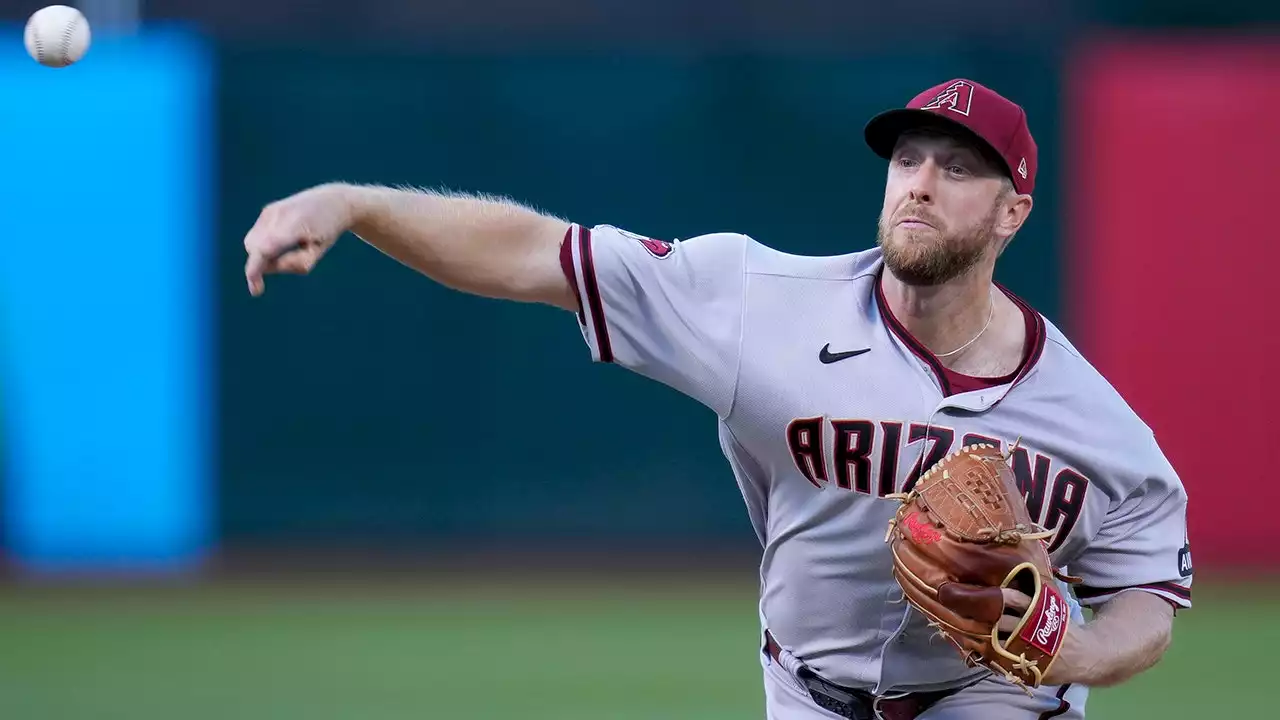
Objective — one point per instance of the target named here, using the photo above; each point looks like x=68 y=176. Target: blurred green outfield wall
x=366 y=404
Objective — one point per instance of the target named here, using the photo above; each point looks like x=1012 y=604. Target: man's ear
x=1014 y=210
x=1013 y=214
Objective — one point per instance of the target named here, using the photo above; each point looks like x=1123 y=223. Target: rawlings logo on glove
x=960 y=537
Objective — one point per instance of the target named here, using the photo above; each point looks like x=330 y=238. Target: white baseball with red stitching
x=57 y=36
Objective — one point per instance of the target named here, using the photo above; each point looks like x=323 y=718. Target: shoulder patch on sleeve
x=657 y=248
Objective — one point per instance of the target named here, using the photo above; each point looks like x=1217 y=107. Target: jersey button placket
x=894 y=625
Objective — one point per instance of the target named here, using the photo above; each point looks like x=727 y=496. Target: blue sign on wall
x=105 y=304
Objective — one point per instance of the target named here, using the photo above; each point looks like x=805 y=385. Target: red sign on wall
x=1173 y=268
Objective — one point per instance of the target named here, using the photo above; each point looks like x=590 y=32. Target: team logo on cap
x=1022 y=168
x=956 y=97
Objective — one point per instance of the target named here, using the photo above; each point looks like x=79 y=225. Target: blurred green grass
x=656 y=647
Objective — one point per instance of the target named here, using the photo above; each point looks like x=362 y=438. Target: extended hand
x=291 y=235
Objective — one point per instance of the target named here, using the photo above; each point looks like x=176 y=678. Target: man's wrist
x=1077 y=661
x=356 y=201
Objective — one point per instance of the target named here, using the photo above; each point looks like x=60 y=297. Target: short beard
x=937 y=264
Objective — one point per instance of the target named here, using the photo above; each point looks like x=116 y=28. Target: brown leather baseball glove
x=961 y=535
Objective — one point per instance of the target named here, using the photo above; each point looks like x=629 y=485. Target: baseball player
x=837 y=381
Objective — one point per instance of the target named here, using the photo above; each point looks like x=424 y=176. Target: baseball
x=57 y=36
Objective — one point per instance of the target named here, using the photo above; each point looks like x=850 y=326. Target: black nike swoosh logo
x=827 y=357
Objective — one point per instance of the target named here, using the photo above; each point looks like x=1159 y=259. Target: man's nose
x=923 y=183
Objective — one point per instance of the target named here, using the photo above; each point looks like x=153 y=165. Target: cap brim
x=883 y=130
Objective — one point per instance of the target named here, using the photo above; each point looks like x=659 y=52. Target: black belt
x=858 y=704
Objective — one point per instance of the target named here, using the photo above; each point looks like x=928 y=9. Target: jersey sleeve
x=668 y=310
x=1143 y=542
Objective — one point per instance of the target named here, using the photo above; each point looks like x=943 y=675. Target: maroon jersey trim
x=1036 y=327
x=592 y=288
x=1085 y=592
x=1038 y=337
x=566 y=266
x=1063 y=705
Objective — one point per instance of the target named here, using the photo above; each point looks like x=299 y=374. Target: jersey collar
x=976 y=400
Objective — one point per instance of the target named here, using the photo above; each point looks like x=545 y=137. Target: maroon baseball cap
x=979 y=112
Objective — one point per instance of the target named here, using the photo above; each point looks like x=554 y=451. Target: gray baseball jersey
x=826 y=405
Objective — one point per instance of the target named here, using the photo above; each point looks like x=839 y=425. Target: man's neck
x=942 y=317
x=945 y=317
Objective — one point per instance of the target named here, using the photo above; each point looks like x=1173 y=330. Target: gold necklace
x=990 y=317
